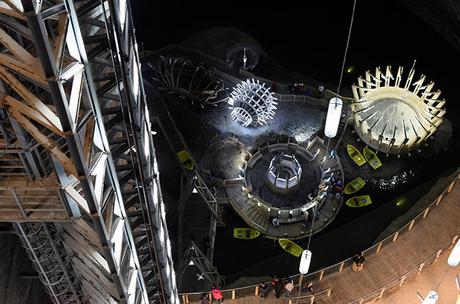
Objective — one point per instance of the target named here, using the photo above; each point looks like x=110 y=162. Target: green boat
x=245 y=233
x=359 y=201
x=354 y=186
x=185 y=159
x=372 y=158
x=355 y=155
x=290 y=247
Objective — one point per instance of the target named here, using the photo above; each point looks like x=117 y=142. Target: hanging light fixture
x=334 y=112
x=431 y=298
x=454 y=257
x=305 y=261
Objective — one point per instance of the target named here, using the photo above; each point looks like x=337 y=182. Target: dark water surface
x=310 y=39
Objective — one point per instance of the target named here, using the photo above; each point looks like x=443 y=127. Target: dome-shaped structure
x=393 y=114
x=252 y=103
x=193 y=81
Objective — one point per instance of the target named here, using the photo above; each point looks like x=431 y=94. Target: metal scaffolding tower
x=79 y=173
x=193 y=183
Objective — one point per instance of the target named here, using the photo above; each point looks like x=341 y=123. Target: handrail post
x=437 y=255
x=361 y=301
x=379 y=247
x=312 y=299
x=341 y=266
x=411 y=225
x=256 y=293
x=454 y=240
x=395 y=236
x=329 y=292
x=382 y=292
x=233 y=294
x=425 y=213
x=451 y=186
x=321 y=274
x=184 y=299
x=438 y=201
x=403 y=278
x=420 y=268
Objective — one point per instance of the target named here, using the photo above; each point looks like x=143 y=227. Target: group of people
x=298 y=88
x=336 y=186
x=278 y=286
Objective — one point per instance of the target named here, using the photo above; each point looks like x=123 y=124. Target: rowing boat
x=359 y=201
x=372 y=158
x=290 y=247
x=355 y=155
x=185 y=159
x=354 y=186
x=245 y=233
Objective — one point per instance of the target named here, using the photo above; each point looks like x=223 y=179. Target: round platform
x=295 y=197
x=253 y=196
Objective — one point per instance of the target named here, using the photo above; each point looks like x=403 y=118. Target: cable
x=346 y=47
x=311 y=228
x=338 y=92
x=443 y=278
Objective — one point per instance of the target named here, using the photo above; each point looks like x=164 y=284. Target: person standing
x=289 y=287
x=276 y=286
x=358 y=262
x=204 y=299
x=263 y=287
x=217 y=294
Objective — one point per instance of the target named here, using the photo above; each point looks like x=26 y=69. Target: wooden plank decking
x=408 y=251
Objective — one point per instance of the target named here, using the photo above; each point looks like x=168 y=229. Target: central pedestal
x=284 y=172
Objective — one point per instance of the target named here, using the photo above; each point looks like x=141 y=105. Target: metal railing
x=253 y=290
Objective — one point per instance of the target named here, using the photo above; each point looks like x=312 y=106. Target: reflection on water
x=394 y=181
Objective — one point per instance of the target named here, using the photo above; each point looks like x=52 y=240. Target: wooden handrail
x=320 y=273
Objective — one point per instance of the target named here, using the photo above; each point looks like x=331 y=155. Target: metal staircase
x=78 y=168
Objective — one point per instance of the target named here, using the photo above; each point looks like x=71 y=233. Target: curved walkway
x=396 y=258
x=399 y=257
x=438 y=274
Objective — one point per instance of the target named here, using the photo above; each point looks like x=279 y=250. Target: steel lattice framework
x=252 y=103
x=394 y=115
x=77 y=148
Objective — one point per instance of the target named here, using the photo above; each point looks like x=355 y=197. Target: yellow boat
x=185 y=159
x=355 y=155
x=354 y=186
x=359 y=201
x=372 y=158
x=245 y=233
x=290 y=247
